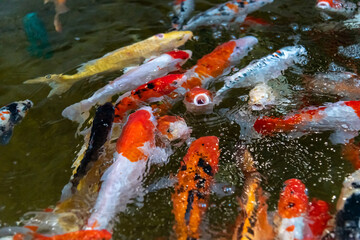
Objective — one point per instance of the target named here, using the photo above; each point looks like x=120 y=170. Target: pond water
x=36 y=164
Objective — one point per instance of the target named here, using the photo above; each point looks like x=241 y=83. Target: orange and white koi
x=264 y=69
x=252 y=223
x=155 y=68
x=117 y=60
x=197 y=170
x=219 y=61
x=151 y=91
x=182 y=9
x=10 y=115
x=199 y=101
x=60 y=8
x=341 y=117
x=292 y=209
x=173 y=128
x=230 y=12
x=337 y=6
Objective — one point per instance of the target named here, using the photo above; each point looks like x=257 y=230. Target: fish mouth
x=27 y=105
x=323 y=5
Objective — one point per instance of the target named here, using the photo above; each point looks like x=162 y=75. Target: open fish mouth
x=323 y=5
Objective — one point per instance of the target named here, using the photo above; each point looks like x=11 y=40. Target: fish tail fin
x=268 y=125
x=58 y=82
x=77 y=112
x=245 y=160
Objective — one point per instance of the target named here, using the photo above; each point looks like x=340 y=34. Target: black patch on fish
x=6 y=136
x=197 y=177
x=201 y=183
x=190 y=201
x=347 y=220
x=355 y=185
x=239 y=230
x=100 y=129
x=150 y=85
x=14 y=115
x=190 y=238
x=250 y=230
x=200 y=195
x=241 y=4
x=205 y=166
x=183 y=168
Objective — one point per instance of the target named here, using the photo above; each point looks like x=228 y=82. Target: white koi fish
x=182 y=9
x=157 y=67
x=231 y=11
x=264 y=69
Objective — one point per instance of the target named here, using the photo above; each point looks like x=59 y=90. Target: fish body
x=60 y=8
x=155 y=68
x=173 y=128
x=199 y=101
x=261 y=96
x=264 y=69
x=10 y=115
x=229 y=12
x=37 y=36
x=197 y=170
x=182 y=9
x=337 y=6
x=148 y=92
x=100 y=130
x=347 y=219
x=78 y=235
x=292 y=209
x=117 y=60
x=340 y=117
x=121 y=181
x=252 y=223
x=219 y=61
x=317 y=219
x=345 y=84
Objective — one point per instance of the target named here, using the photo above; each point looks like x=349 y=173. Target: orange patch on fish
x=233 y=7
x=79 y=235
x=138 y=130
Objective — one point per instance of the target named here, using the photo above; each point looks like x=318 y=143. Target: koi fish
x=182 y=9
x=252 y=223
x=292 y=209
x=317 y=219
x=199 y=101
x=261 y=96
x=123 y=178
x=337 y=6
x=230 y=12
x=253 y=21
x=148 y=92
x=264 y=69
x=116 y=60
x=219 y=61
x=340 y=117
x=60 y=8
x=347 y=219
x=155 y=68
x=197 y=170
x=100 y=130
x=173 y=128
x=345 y=84
x=10 y=115
x=82 y=234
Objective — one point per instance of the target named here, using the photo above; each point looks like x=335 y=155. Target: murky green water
x=37 y=163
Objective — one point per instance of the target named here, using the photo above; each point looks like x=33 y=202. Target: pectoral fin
x=6 y=136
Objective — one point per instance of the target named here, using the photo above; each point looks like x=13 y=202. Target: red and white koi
x=121 y=181
x=337 y=6
x=197 y=170
x=219 y=61
x=264 y=69
x=199 y=101
x=182 y=9
x=292 y=209
x=10 y=115
x=155 y=68
x=230 y=12
x=341 y=117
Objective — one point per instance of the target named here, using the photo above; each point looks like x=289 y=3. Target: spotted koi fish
x=199 y=101
x=116 y=60
x=219 y=61
x=340 y=117
x=347 y=219
x=10 y=115
x=337 y=6
x=230 y=12
x=292 y=209
x=182 y=9
x=155 y=68
x=252 y=223
x=148 y=92
x=197 y=170
x=264 y=69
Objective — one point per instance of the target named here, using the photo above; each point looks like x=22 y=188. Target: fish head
x=293 y=199
x=18 y=110
x=173 y=128
x=261 y=96
x=242 y=47
x=173 y=39
x=325 y=4
x=351 y=185
x=199 y=100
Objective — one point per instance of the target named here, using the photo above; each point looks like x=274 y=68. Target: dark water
x=37 y=163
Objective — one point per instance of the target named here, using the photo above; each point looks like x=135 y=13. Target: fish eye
x=160 y=35
x=201 y=99
x=48 y=76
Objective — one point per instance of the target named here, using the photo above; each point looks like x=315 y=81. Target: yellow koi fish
x=116 y=60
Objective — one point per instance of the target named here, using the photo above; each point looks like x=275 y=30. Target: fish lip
x=323 y=5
